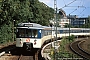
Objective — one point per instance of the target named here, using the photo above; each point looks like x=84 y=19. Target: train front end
x=28 y=37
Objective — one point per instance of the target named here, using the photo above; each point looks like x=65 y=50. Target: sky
x=81 y=8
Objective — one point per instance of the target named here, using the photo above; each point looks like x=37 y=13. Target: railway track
x=17 y=57
x=16 y=54
x=25 y=57
x=75 y=47
x=29 y=55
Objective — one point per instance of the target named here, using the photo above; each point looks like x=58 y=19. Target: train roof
x=38 y=26
x=31 y=26
x=58 y=28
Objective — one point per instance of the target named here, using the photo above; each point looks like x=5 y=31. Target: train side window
x=42 y=33
x=45 y=33
x=34 y=33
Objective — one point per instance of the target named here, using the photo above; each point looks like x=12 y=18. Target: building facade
x=73 y=20
x=63 y=21
x=78 y=22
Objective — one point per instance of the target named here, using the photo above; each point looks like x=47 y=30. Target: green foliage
x=25 y=11
x=6 y=33
x=62 y=52
x=71 y=38
x=21 y=11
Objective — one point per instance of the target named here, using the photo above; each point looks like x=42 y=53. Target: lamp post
x=51 y=32
x=13 y=29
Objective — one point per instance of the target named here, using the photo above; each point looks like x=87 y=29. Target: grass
x=62 y=52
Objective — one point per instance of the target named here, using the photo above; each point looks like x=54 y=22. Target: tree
x=22 y=11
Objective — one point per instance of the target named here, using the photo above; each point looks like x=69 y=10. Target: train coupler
x=28 y=46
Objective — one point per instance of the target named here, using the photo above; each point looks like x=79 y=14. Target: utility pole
x=69 y=27
x=55 y=19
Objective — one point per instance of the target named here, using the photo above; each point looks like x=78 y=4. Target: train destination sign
x=30 y=25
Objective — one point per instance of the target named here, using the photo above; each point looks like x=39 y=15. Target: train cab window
x=20 y=32
x=25 y=33
x=34 y=33
x=28 y=33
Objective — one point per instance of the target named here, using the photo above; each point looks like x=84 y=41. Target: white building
x=63 y=21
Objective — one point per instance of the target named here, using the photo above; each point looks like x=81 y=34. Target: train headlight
x=20 y=41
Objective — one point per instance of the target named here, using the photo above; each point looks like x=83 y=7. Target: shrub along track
x=75 y=47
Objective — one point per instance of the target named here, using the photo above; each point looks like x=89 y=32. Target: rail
x=21 y=57
x=6 y=49
x=74 y=47
x=46 y=55
x=82 y=48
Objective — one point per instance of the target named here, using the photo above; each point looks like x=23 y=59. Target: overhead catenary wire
x=68 y=4
x=81 y=5
x=72 y=6
x=82 y=11
x=77 y=9
x=81 y=2
x=73 y=11
x=64 y=2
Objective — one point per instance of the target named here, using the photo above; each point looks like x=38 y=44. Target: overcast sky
x=73 y=7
